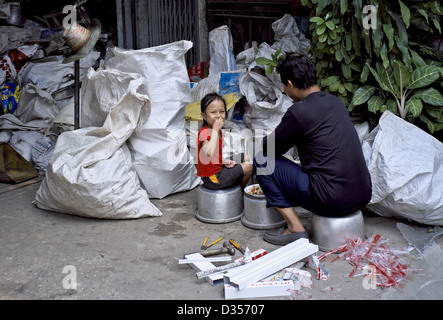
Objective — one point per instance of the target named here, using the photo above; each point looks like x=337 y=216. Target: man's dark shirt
x=329 y=150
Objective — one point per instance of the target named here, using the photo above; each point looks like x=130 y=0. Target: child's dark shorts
x=226 y=177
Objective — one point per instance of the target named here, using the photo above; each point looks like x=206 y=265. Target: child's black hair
x=207 y=100
x=298 y=69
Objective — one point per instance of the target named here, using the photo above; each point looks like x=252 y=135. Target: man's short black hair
x=299 y=69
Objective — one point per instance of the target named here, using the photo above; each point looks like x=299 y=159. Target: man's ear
x=290 y=85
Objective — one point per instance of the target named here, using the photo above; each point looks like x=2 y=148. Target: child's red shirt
x=206 y=166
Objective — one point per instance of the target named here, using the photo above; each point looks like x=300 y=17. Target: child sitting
x=217 y=172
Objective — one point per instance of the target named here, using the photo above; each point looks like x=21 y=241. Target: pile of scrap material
x=259 y=273
x=287 y=271
x=383 y=266
x=36 y=86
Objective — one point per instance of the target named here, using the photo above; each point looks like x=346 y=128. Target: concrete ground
x=137 y=259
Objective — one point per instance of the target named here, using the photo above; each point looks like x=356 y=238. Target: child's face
x=214 y=112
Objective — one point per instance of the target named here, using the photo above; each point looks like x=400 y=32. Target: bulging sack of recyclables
x=159 y=150
x=267 y=103
x=406 y=167
x=90 y=173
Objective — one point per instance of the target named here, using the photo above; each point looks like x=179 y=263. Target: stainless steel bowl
x=257 y=216
x=331 y=233
x=219 y=206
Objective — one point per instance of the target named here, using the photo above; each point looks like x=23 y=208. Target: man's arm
x=283 y=137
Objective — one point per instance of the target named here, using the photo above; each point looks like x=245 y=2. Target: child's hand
x=218 y=124
x=230 y=164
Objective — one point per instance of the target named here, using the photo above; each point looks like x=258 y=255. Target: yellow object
x=215 y=242
x=193 y=110
x=204 y=246
x=214 y=179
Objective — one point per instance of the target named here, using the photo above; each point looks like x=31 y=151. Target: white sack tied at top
x=406 y=167
x=159 y=150
x=90 y=173
x=221 y=51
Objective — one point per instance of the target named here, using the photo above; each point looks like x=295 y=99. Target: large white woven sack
x=159 y=150
x=90 y=173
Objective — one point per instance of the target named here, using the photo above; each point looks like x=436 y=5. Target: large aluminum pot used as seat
x=331 y=233
x=219 y=206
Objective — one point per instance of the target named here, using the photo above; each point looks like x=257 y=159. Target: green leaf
x=320 y=6
x=347 y=72
x=330 y=25
x=329 y=80
x=391 y=105
x=430 y=96
x=416 y=59
x=404 y=51
x=318 y=20
x=338 y=55
x=405 y=13
x=436 y=7
x=358 y=10
x=385 y=79
x=365 y=72
x=401 y=29
x=375 y=103
x=437 y=24
x=361 y=95
x=384 y=56
x=423 y=77
x=435 y=112
x=430 y=125
x=377 y=35
x=355 y=66
x=320 y=29
x=348 y=42
x=389 y=32
x=323 y=37
x=424 y=14
x=348 y=86
x=414 y=106
x=367 y=40
x=334 y=87
x=343 y=6
x=269 y=70
x=263 y=61
x=332 y=34
x=402 y=74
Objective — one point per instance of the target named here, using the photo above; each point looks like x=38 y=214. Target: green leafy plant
x=270 y=64
x=402 y=90
x=376 y=68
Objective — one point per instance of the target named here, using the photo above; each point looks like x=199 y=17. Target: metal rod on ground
x=77 y=95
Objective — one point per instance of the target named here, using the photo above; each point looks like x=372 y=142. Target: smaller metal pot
x=219 y=206
x=331 y=233
x=257 y=216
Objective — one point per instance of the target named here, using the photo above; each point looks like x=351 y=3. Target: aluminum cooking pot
x=256 y=215
x=331 y=233
x=219 y=206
